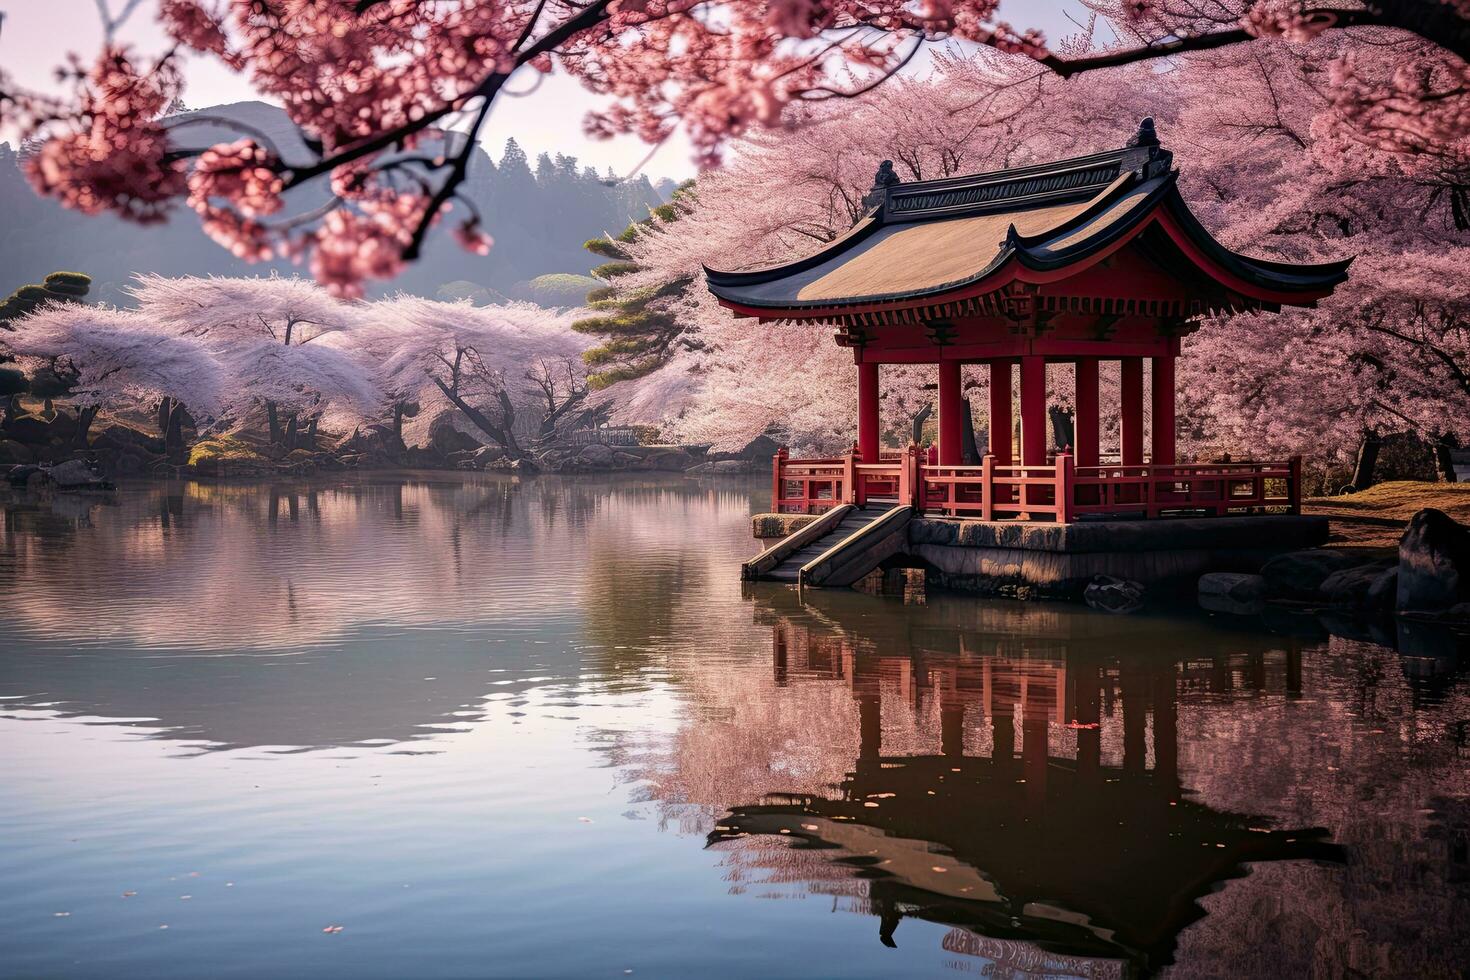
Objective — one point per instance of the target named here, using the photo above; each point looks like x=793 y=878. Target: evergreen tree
x=639 y=334
x=59 y=287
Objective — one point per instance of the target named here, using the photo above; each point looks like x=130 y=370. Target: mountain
x=539 y=219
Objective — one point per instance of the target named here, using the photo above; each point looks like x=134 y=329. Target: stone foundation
x=1058 y=560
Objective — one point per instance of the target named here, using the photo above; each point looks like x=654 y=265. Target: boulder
x=1300 y=574
x=1235 y=586
x=596 y=454
x=525 y=467
x=19 y=476
x=1384 y=591
x=1113 y=595
x=374 y=440
x=1350 y=586
x=33 y=430
x=444 y=438
x=761 y=447
x=125 y=438
x=13 y=452
x=726 y=466
x=1434 y=563
x=74 y=475
x=672 y=461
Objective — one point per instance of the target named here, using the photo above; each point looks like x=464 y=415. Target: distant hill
x=539 y=214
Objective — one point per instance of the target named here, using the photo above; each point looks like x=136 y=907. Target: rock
x=1384 y=591
x=13 y=452
x=375 y=440
x=1434 y=563
x=33 y=430
x=1300 y=574
x=20 y=476
x=525 y=467
x=670 y=460
x=74 y=475
x=727 y=466
x=596 y=454
x=1216 y=603
x=125 y=438
x=1236 y=586
x=1114 y=595
x=127 y=464
x=444 y=438
x=1350 y=586
x=761 y=448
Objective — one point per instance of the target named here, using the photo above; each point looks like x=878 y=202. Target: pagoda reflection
x=1049 y=827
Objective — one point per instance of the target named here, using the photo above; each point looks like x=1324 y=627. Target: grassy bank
x=1376 y=517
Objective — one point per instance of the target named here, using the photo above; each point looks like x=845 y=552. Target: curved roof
x=925 y=240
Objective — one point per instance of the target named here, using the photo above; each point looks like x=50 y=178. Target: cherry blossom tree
x=375 y=84
x=481 y=364
x=116 y=359
x=241 y=321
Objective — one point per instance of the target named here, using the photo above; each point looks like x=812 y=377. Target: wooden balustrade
x=1060 y=491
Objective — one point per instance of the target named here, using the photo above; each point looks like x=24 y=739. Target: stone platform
x=1058 y=560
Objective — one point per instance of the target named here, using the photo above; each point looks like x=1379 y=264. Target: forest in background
x=539 y=212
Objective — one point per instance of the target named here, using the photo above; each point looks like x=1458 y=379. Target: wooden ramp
x=838 y=548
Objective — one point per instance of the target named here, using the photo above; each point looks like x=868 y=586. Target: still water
x=491 y=728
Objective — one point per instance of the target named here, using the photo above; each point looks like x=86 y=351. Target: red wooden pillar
x=1085 y=421
x=1033 y=420
x=1033 y=410
x=1000 y=412
x=868 y=419
x=1131 y=418
x=951 y=415
x=1163 y=409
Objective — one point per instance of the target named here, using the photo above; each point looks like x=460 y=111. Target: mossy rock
x=225 y=449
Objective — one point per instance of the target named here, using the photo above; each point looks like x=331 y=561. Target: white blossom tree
x=117 y=359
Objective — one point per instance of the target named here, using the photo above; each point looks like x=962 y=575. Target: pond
x=434 y=726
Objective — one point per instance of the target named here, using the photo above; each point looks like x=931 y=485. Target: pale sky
x=37 y=35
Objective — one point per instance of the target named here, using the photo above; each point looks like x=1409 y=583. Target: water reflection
x=443 y=708
x=1013 y=829
x=1021 y=773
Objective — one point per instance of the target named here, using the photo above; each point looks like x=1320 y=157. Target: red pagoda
x=1077 y=261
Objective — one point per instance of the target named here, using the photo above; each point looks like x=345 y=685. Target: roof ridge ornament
x=1147 y=135
x=882 y=180
x=1146 y=156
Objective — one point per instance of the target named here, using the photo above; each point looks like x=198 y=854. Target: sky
x=549 y=119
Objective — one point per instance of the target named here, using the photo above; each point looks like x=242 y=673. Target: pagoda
x=1077 y=261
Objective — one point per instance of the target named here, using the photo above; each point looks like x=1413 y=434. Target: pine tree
x=639 y=334
x=59 y=287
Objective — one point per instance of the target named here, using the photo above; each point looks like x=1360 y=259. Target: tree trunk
x=503 y=436
x=291 y=431
x=969 y=450
x=1367 y=460
x=173 y=432
x=1444 y=462
x=165 y=410
x=275 y=423
x=916 y=427
x=85 y=415
x=398 y=420
x=311 y=435
x=1062 y=431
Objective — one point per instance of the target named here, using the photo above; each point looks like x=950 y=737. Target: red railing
x=1059 y=492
